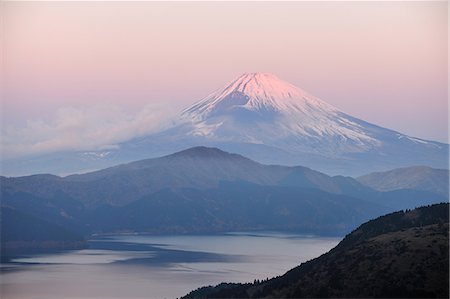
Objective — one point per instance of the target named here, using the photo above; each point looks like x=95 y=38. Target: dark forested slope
x=403 y=254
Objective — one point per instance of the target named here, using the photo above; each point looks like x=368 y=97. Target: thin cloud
x=88 y=128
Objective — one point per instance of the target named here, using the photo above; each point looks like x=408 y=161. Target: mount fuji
x=267 y=119
x=261 y=109
x=271 y=121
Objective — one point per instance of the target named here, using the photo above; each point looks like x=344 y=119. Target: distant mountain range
x=268 y=120
x=205 y=190
x=418 y=178
x=400 y=255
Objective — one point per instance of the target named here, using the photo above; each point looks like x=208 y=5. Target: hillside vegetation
x=404 y=255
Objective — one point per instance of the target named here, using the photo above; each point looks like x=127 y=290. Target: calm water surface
x=145 y=266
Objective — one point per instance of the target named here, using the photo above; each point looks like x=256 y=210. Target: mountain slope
x=417 y=178
x=401 y=255
x=238 y=206
x=268 y=120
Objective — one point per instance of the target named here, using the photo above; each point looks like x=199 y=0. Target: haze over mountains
x=200 y=189
x=206 y=190
x=268 y=120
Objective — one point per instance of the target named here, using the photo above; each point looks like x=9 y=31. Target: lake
x=148 y=266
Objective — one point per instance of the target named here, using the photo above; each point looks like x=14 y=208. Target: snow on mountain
x=273 y=121
x=258 y=92
x=261 y=108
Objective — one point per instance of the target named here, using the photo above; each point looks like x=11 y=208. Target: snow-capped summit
x=261 y=108
x=257 y=92
x=272 y=121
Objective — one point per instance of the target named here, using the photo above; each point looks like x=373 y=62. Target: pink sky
x=384 y=62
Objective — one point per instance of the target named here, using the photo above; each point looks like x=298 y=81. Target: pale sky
x=111 y=70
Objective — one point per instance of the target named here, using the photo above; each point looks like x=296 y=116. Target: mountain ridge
x=414 y=177
x=199 y=167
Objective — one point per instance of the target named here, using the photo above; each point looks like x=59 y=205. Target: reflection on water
x=145 y=266
x=87 y=256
